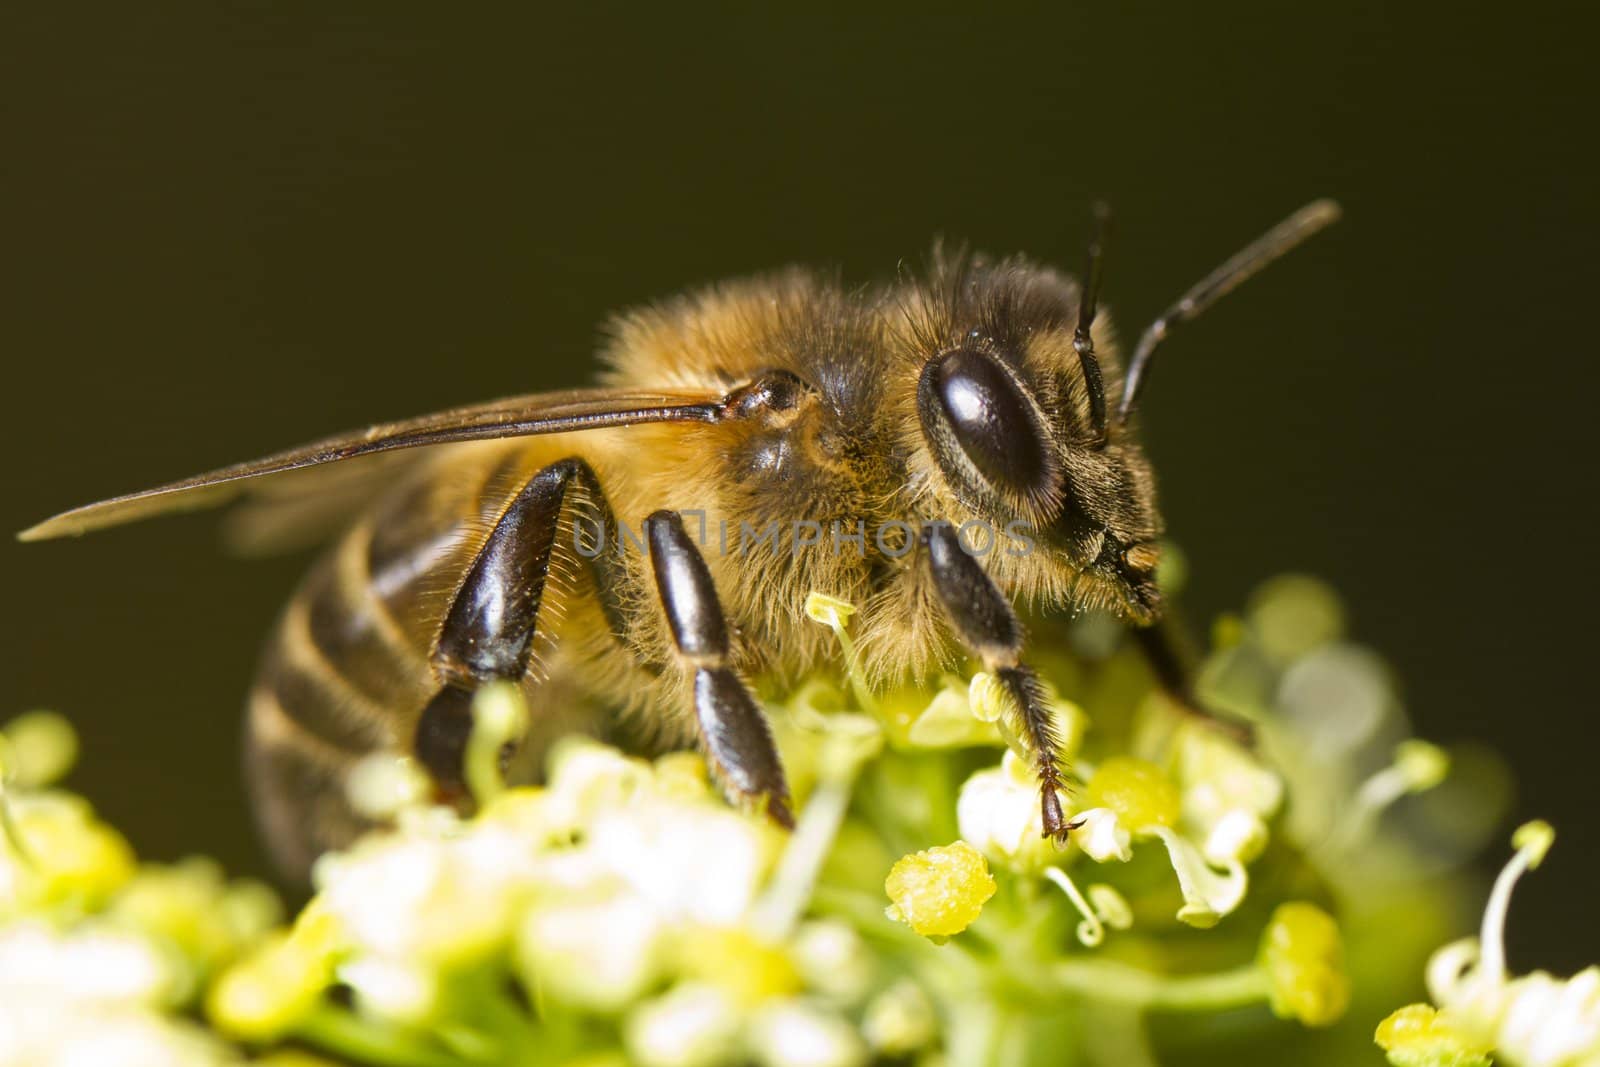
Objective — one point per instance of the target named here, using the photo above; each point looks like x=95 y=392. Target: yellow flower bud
x=264 y=995
x=900 y=1020
x=1304 y=959
x=1534 y=838
x=70 y=856
x=1418 y=1036
x=1138 y=791
x=1293 y=614
x=748 y=969
x=191 y=907
x=940 y=891
x=39 y=747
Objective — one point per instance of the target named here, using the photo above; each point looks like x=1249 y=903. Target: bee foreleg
x=986 y=624
x=488 y=632
x=1163 y=647
x=737 y=741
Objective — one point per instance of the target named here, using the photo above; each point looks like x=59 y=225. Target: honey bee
x=931 y=450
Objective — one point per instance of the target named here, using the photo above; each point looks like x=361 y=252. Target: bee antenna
x=1286 y=235
x=1088 y=307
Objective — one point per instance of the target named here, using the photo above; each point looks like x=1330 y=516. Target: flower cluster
x=622 y=913
x=99 y=955
x=1536 y=1020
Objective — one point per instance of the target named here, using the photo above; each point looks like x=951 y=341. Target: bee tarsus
x=987 y=625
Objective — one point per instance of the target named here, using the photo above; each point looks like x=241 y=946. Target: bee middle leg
x=737 y=741
x=489 y=630
x=987 y=625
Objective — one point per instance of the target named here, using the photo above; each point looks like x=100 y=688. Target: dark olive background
x=225 y=229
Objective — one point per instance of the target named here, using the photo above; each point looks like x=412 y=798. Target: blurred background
x=227 y=229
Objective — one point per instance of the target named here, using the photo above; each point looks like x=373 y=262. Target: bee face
x=1009 y=431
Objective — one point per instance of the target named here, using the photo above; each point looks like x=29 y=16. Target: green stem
x=1104 y=980
x=858 y=681
x=10 y=832
x=785 y=901
x=344 y=1034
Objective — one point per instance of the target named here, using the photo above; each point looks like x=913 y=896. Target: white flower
x=1546 y=1020
x=796 y=1034
x=434 y=899
x=1536 y=1020
x=1101 y=836
x=399 y=991
x=90 y=965
x=832 y=958
x=1239 y=836
x=93 y=996
x=693 y=861
x=599 y=954
x=693 y=1025
x=1218 y=778
x=998 y=814
x=899 y=1020
x=1207 y=895
x=36 y=1032
x=587 y=778
x=382 y=785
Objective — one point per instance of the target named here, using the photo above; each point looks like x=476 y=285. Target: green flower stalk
x=621 y=912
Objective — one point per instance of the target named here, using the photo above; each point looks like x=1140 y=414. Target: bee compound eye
x=968 y=398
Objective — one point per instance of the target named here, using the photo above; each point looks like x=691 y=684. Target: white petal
x=797 y=1034
x=1239 y=836
x=694 y=1025
x=1001 y=818
x=1207 y=895
x=1102 y=837
x=599 y=954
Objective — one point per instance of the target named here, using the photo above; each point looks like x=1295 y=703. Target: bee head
x=1013 y=424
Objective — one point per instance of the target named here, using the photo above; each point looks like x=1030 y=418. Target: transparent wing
x=300 y=508
x=525 y=416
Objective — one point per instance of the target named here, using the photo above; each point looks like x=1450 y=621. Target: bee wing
x=525 y=416
x=304 y=507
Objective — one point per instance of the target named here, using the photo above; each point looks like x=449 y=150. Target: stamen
x=1532 y=841
x=1418 y=767
x=499 y=718
x=834 y=613
x=1091 y=931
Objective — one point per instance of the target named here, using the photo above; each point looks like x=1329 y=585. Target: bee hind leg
x=987 y=625
x=488 y=632
x=735 y=736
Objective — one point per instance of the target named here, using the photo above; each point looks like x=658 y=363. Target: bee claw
x=778 y=811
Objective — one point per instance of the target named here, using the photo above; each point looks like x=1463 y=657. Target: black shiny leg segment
x=987 y=625
x=1166 y=653
x=738 y=743
x=489 y=630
